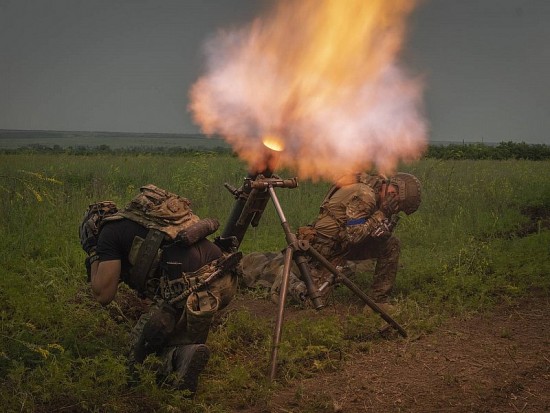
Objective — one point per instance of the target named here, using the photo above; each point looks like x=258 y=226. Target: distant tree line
x=106 y=149
x=504 y=150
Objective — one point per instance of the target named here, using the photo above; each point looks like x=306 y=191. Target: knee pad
x=158 y=328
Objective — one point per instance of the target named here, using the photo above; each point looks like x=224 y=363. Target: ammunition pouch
x=176 y=285
x=145 y=257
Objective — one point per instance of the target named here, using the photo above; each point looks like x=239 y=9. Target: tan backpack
x=156 y=208
x=168 y=217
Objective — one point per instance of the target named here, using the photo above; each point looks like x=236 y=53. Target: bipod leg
x=292 y=246
x=280 y=313
x=312 y=292
x=353 y=287
x=299 y=258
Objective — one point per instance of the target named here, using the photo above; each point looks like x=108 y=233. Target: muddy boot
x=386 y=307
x=296 y=288
x=188 y=363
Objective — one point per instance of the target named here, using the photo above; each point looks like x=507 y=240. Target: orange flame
x=274 y=143
x=324 y=75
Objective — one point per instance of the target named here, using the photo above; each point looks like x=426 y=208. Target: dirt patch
x=497 y=362
x=127 y=306
x=539 y=219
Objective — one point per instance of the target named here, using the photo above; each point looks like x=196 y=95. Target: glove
x=88 y=236
x=382 y=231
x=390 y=205
x=385 y=229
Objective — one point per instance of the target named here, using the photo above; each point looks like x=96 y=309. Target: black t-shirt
x=116 y=238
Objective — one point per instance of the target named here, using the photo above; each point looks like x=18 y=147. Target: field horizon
x=16 y=138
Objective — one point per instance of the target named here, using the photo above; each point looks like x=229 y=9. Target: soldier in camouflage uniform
x=158 y=247
x=355 y=223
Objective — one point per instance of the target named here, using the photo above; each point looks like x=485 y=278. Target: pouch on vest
x=144 y=257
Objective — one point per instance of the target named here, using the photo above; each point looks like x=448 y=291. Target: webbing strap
x=146 y=256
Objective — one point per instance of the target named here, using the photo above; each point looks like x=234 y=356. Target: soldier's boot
x=385 y=271
x=323 y=280
x=296 y=288
x=188 y=363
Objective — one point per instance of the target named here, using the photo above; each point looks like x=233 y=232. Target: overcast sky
x=127 y=66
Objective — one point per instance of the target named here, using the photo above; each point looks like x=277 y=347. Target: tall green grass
x=61 y=350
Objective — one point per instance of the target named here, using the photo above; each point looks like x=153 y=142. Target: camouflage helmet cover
x=409 y=190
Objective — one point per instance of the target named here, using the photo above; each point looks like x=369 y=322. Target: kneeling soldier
x=158 y=247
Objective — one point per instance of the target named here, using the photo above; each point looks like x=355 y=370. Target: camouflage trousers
x=164 y=326
x=386 y=252
x=266 y=269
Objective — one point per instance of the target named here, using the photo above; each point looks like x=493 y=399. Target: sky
x=128 y=65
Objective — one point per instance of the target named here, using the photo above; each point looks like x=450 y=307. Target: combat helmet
x=409 y=190
x=95 y=214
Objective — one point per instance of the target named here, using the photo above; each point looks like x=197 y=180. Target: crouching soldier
x=356 y=222
x=158 y=247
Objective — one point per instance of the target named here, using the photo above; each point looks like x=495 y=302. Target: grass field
x=480 y=237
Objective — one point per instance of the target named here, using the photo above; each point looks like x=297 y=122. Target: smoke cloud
x=323 y=77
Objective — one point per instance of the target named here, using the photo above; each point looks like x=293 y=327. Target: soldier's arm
x=105 y=278
x=363 y=217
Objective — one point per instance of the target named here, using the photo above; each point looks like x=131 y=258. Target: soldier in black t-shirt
x=115 y=243
x=170 y=272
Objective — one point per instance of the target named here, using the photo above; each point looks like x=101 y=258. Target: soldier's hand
x=390 y=205
x=382 y=231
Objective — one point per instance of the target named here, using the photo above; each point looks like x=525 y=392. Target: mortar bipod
x=297 y=250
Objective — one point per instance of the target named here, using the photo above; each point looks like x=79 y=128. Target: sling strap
x=146 y=257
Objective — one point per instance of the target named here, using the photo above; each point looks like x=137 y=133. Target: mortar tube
x=231 y=228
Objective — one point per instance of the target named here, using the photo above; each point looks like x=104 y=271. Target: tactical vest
x=169 y=219
x=331 y=243
x=373 y=181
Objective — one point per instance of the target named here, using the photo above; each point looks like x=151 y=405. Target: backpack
x=156 y=208
x=168 y=217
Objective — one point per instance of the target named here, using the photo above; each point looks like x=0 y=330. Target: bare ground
x=496 y=362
